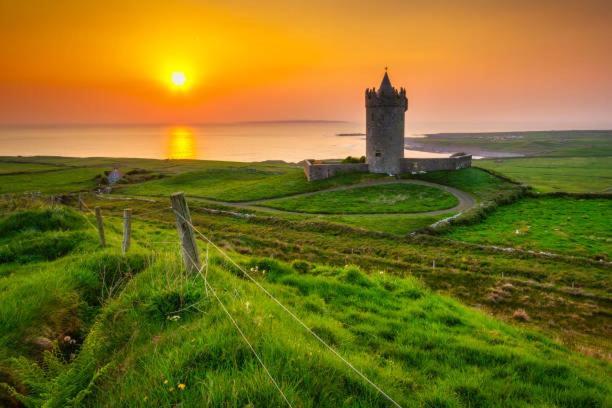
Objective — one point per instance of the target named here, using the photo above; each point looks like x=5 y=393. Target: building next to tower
x=385 y=112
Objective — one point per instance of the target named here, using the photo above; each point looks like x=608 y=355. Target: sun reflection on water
x=181 y=143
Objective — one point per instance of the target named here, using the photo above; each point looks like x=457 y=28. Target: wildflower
x=165 y=381
x=181 y=386
x=247 y=304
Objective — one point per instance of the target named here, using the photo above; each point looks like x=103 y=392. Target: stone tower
x=385 y=110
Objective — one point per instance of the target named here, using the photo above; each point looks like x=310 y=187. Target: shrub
x=351 y=159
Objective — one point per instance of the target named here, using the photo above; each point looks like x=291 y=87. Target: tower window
x=377 y=153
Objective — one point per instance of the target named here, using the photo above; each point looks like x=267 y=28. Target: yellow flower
x=165 y=381
x=181 y=386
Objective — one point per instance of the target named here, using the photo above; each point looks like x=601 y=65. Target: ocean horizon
x=244 y=141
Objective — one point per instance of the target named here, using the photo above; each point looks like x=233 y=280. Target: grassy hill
x=471 y=314
x=576 y=161
x=386 y=198
x=559 y=224
x=569 y=174
x=85 y=326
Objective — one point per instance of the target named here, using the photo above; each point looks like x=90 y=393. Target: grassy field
x=71 y=179
x=482 y=185
x=567 y=298
x=12 y=168
x=571 y=174
x=570 y=143
x=570 y=299
x=559 y=224
x=225 y=181
x=386 y=198
x=91 y=327
x=398 y=224
x=232 y=182
x=250 y=182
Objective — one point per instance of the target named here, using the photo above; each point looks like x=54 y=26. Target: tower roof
x=385 y=86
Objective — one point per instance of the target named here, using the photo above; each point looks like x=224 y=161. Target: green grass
x=565 y=143
x=568 y=298
x=477 y=182
x=393 y=224
x=141 y=327
x=559 y=224
x=73 y=179
x=385 y=198
x=249 y=182
x=570 y=174
x=11 y=167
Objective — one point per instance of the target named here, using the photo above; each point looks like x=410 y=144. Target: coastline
x=477 y=153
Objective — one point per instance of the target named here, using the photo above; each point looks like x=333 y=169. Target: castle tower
x=385 y=109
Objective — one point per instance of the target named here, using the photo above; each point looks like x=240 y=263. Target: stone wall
x=320 y=171
x=450 y=163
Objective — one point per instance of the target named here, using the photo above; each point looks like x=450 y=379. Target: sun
x=178 y=79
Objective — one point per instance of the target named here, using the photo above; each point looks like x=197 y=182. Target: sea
x=245 y=142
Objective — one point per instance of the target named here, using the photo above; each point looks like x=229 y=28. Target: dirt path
x=466 y=201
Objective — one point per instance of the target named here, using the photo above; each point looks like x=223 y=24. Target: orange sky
x=74 y=61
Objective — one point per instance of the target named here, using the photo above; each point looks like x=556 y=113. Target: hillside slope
x=84 y=326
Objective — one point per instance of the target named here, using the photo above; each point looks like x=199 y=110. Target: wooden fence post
x=127 y=229
x=100 y=226
x=189 y=247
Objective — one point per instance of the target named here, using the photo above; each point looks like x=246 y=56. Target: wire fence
x=202 y=272
x=287 y=310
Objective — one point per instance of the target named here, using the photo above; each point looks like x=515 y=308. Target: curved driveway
x=466 y=201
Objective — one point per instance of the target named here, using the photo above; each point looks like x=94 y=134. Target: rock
x=43 y=342
x=521 y=315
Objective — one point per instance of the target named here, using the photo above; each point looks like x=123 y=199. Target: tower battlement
x=374 y=98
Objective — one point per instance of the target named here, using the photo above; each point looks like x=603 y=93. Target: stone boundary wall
x=320 y=171
x=450 y=163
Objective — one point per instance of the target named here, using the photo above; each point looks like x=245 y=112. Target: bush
x=351 y=159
